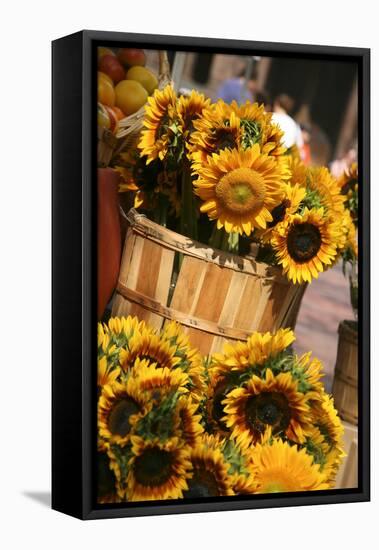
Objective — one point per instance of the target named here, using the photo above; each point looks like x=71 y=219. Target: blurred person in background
x=238 y=89
x=283 y=105
x=263 y=97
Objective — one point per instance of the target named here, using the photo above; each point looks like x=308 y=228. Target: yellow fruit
x=104 y=76
x=105 y=92
x=130 y=96
x=144 y=77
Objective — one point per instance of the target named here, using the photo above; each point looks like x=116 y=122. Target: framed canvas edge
x=88 y=183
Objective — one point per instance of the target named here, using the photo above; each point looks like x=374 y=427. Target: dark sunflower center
x=349 y=186
x=119 y=416
x=153 y=467
x=106 y=479
x=224 y=139
x=278 y=213
x=268 y=409
x=303 y=242
x=202 y=484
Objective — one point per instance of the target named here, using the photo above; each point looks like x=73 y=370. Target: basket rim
x=141 y=224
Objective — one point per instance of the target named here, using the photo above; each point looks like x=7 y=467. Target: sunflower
x=323 y=190
x=351 y=237
x=273 y=401
x=188 y=420
x=348 y=182
x=218 y=389
x=243 y=484
x=157 y=471
x=108 y=487
x=258 y=348
x=129 y=166
x=257 y=127
x=217 y=129
x=281 y=467
x=310 y=370
x=209 y=477
x=105 y=373
x=326 y=419
x=294 y=194
x=239 y=189
x=154 y=382
x=190 y=108
x=115 y=335
x=119 y=408
x=119 y=329
x=298 y=171
x=144 y=344
x=328 y=423
x=159 y=111
x=326 y=457
x=306 y=244
x=191 y=361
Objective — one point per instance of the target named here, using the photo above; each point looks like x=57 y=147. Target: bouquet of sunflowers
x=219 y=173
x=172 y=424
x=348 y=184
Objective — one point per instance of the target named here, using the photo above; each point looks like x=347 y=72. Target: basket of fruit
x=123 y=87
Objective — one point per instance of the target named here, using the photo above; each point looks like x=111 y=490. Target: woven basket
x=345 y=384
x=216 y=296
x=129 y=128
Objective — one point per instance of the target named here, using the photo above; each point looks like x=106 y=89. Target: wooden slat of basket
x=231 y=305
x=279 y=299
x=146 y=268
x=188 y=285
x=209 y=304
x=128 y=271
x=154 y=276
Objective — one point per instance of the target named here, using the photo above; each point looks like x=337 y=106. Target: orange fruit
x=119 y=113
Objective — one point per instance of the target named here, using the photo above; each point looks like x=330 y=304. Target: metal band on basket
x=184 y=319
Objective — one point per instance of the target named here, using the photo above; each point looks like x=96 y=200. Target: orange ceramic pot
x=108 y=236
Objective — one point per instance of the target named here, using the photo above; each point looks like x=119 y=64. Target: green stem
x=163 y=204
x=228 y=242
x=233 y=242
x=215 y=239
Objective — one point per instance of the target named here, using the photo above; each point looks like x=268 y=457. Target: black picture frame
x=74 y=274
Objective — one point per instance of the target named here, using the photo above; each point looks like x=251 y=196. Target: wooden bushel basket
x=345 y=385
x=216 y=296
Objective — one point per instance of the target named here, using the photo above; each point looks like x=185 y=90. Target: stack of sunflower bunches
x=173 y=425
